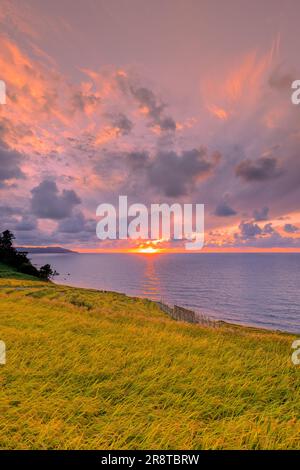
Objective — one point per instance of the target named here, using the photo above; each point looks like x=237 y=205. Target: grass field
x=93 y=370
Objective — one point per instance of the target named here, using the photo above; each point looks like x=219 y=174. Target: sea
x=256 y=289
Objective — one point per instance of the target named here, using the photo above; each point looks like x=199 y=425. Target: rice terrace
x=94 y=370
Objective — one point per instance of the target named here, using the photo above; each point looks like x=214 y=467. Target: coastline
x=205 y=321
x=207 y=318
x=84 y=366
x=197 y=283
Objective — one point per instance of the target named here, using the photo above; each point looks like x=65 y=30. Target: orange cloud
x=238 y=90
x=218 y=112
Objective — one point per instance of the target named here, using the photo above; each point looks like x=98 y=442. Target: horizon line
x=171 y=250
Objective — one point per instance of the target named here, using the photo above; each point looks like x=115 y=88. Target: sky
x=168 y=101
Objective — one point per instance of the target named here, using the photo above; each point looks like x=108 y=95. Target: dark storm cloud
x=290 y=228
x=268 y=229
x=123 y=123
x=137 y=160
x=169 y=173
x=275 y=240
x=9 y=210
x=262 y=169
x=175 y=174
x=251 y=235
x=10 y=162
x=76 y=223
x=167 y=124
x=35 y=238
x=147 y=99
x=47 y=203
x=9 y=217
x=261 y=214
x=224 y=210
x=249 y=230
x=26 y=224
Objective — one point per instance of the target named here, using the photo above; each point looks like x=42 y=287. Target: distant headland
x=44 y=249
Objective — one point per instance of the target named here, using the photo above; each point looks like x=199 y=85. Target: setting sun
x=148 y=250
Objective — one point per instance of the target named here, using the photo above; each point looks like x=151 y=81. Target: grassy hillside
x=89 y=370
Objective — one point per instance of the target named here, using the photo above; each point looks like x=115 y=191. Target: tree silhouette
x=46 y=272
x=6 y=240
x=19 y=260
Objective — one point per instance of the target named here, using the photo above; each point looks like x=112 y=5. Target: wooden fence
x=187 y=315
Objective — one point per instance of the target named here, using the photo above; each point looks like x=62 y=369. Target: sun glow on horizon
x=146 y=249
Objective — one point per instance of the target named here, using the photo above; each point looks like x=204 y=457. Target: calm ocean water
x=250 y=289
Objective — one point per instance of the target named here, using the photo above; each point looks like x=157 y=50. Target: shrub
x=11 y=257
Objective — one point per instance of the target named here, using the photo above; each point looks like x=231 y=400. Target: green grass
x=93 y=370
x=6 y=272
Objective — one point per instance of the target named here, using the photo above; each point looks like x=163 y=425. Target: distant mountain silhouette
x=44 y=249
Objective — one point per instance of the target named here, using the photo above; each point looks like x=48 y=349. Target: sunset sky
x=163 y=101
